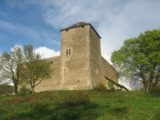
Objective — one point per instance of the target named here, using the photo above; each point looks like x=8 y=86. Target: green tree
x=140 y=58
x=35 y=70
x=23 y=65
x=10 y=66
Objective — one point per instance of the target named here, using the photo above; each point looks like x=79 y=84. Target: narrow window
x=68 y=52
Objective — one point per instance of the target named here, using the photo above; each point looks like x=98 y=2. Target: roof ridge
x=80 y=24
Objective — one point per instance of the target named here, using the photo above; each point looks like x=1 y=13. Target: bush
x=101 y=88
x=155 y=91
x=24 y=91
x=6 y=89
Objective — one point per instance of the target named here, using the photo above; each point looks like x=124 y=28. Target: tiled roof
x=80 y=24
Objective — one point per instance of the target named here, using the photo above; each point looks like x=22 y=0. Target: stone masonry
x=80 y=65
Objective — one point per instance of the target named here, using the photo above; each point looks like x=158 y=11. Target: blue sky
x=24 y=24
x=38 y=21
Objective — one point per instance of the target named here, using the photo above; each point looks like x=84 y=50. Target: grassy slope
x=99 y=106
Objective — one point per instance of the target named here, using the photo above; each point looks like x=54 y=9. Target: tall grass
x=81 y=105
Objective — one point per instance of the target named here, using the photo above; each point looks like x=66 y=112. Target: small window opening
x=68 y=51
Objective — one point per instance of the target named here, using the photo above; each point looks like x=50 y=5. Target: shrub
x=6 y=89
x=24 y=91
x=101 y=88
x=155 y=91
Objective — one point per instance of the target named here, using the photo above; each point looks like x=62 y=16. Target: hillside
x=81 y=105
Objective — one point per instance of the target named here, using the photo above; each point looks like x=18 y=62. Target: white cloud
x=6 y=81
x=43 y=51
x=46 y=52
x=115 y=20
x=16 y=46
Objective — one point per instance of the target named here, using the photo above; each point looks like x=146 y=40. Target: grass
x=81 y=105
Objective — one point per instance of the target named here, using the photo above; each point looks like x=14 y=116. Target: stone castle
x=80 y=65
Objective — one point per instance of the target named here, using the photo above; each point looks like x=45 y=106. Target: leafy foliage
x=155 y=91
x=35 y=70
x=24 y=91
x=23 y=65
x=139 y=58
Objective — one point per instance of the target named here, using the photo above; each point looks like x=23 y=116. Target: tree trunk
x=32 y=90
x=15 y=89
x=150 y=81
x=15 y=86
x=157 y=80
x=144 y=81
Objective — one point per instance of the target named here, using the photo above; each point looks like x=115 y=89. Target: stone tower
x=80 y=59
x=80 y=65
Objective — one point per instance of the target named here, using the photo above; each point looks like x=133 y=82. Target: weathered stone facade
x=80 y=65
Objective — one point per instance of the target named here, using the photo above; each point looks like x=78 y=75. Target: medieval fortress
x=80 y=65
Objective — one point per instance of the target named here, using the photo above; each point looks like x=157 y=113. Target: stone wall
x=53 y=83
x=80 y=65
x=95 y=58
x=109 y=71
x=75 y=71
